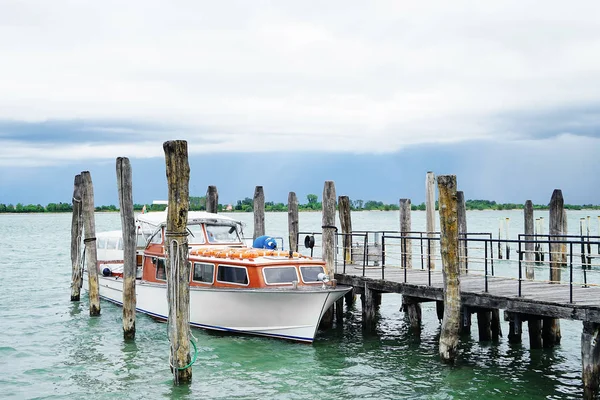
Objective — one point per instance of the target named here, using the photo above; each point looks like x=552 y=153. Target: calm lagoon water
x=51 y=349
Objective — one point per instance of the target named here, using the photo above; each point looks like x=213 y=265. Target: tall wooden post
x=259 y=212
x=551 y=328
x=76 y=233
x=590 y=359
x=369 y=320
x=124 y=184
x=328 y=234
x=430 y=217
x=212 y=199
x=293 y=224
x=89 y=227
x=529 y=247
x=405 y=228
x=462 y=232
x=534 y=324
x=449 y=242
x=346 y=224
x=178 y=268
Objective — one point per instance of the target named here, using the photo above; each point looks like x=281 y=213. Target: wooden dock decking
x=538 y=297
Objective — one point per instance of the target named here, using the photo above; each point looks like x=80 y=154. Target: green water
x=51 y=349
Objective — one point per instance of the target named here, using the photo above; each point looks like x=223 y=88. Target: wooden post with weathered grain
x=125 y=187
x=369 y=313
x=515 y=327
x=462 y=232
x=259 y=212
x=496 y=325
x=405 y=228
x=89 y=228
x=590 y=359
x=484 y=324
x=178 y=268
x=293 y=221
x=551 y=328
x=430 y=217
x=328 y=237
x=449 y=248
x=76 y=233
x=507 y=230
x=529 y=245
x=412 y=308
x=346 y=225
x=212 y=199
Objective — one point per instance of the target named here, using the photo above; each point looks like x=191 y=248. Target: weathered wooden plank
x=125 y=188
x=178 y=268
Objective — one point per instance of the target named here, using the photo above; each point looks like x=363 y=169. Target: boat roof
x=194 y=217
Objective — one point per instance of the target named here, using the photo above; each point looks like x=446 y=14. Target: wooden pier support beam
x=465 y=321
x=534 y=324
x=259 y=212
x=346 y=225
x=405 y=227
x=76 y=234
x=412 y=307
x=439 y=309
x=293 y=224
x=590 y=359
x=515 y=327
x=484 y=325
x=430 y=217
x=551 y=331
x=124 y=184
x=328 y=236
x=369 y=312
x=350 y=298
x=89 y=228
x=495 y=325
x=529 y=247
x=449 y=242
x=212 y=199
x=462 y=232
x=178 y=268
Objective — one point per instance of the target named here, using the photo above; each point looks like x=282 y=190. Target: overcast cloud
x=246 y=76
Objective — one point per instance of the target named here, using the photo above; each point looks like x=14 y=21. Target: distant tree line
x=312 y=204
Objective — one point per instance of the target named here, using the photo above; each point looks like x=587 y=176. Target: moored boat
x=232 y=287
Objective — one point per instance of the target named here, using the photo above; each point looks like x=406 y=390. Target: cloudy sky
x=287 y=94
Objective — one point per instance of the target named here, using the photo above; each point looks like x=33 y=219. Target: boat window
x=101 y=242
x=310 y=274
x=203 y=273
x=161 y=271
x=195 y=234
x=222 y=234
x=229 y=274
x=275 y=275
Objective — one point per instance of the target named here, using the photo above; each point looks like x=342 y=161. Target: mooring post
x=430 y=217
x=541 y=232
x=590 y=359
x=462 y=232
x=124 y=184
x=346 y=225
x=534 y=324
x=178 y=268
x=563 y=246
x=293 y=221
x=500 y=225
x=76 y=233
x=538 y=246
x=507 y=230
x=405 y=228
x=368 y=309
x=412 y=307
x=89 y=227
x=484 y=324
x=212 y=199
x=449 y=242
x=551 y=330
x=529 y=256
x=259 y=212
x=328 y=236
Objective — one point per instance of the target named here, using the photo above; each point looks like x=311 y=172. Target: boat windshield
x=196 y=236
x=222 y=234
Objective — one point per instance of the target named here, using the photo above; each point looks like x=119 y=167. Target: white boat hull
x=284 y=313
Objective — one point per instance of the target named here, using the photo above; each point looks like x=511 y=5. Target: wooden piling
x=590 y=359
x=76 y=234
x=507 y=237
x=500 y=226
x=412 y=307
x=462 y=232
x=259 y=212
x=551 y=332
x=293 y=224
x=534 y=324
x=529 y=247
x=346 y=225
x=583 y=257
x=328 y=236
x=124 y=184
x=212 y=199
x=405 y=228
x=430 y=217
x=465 y=321
x=89 y=228
x=178 y=268
x=556 y=226
x=439 y=309
x=484 y=325
x=496 y=325
x=515 y=327
x=449 y=242
x=541 y=232
x=369 y=321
